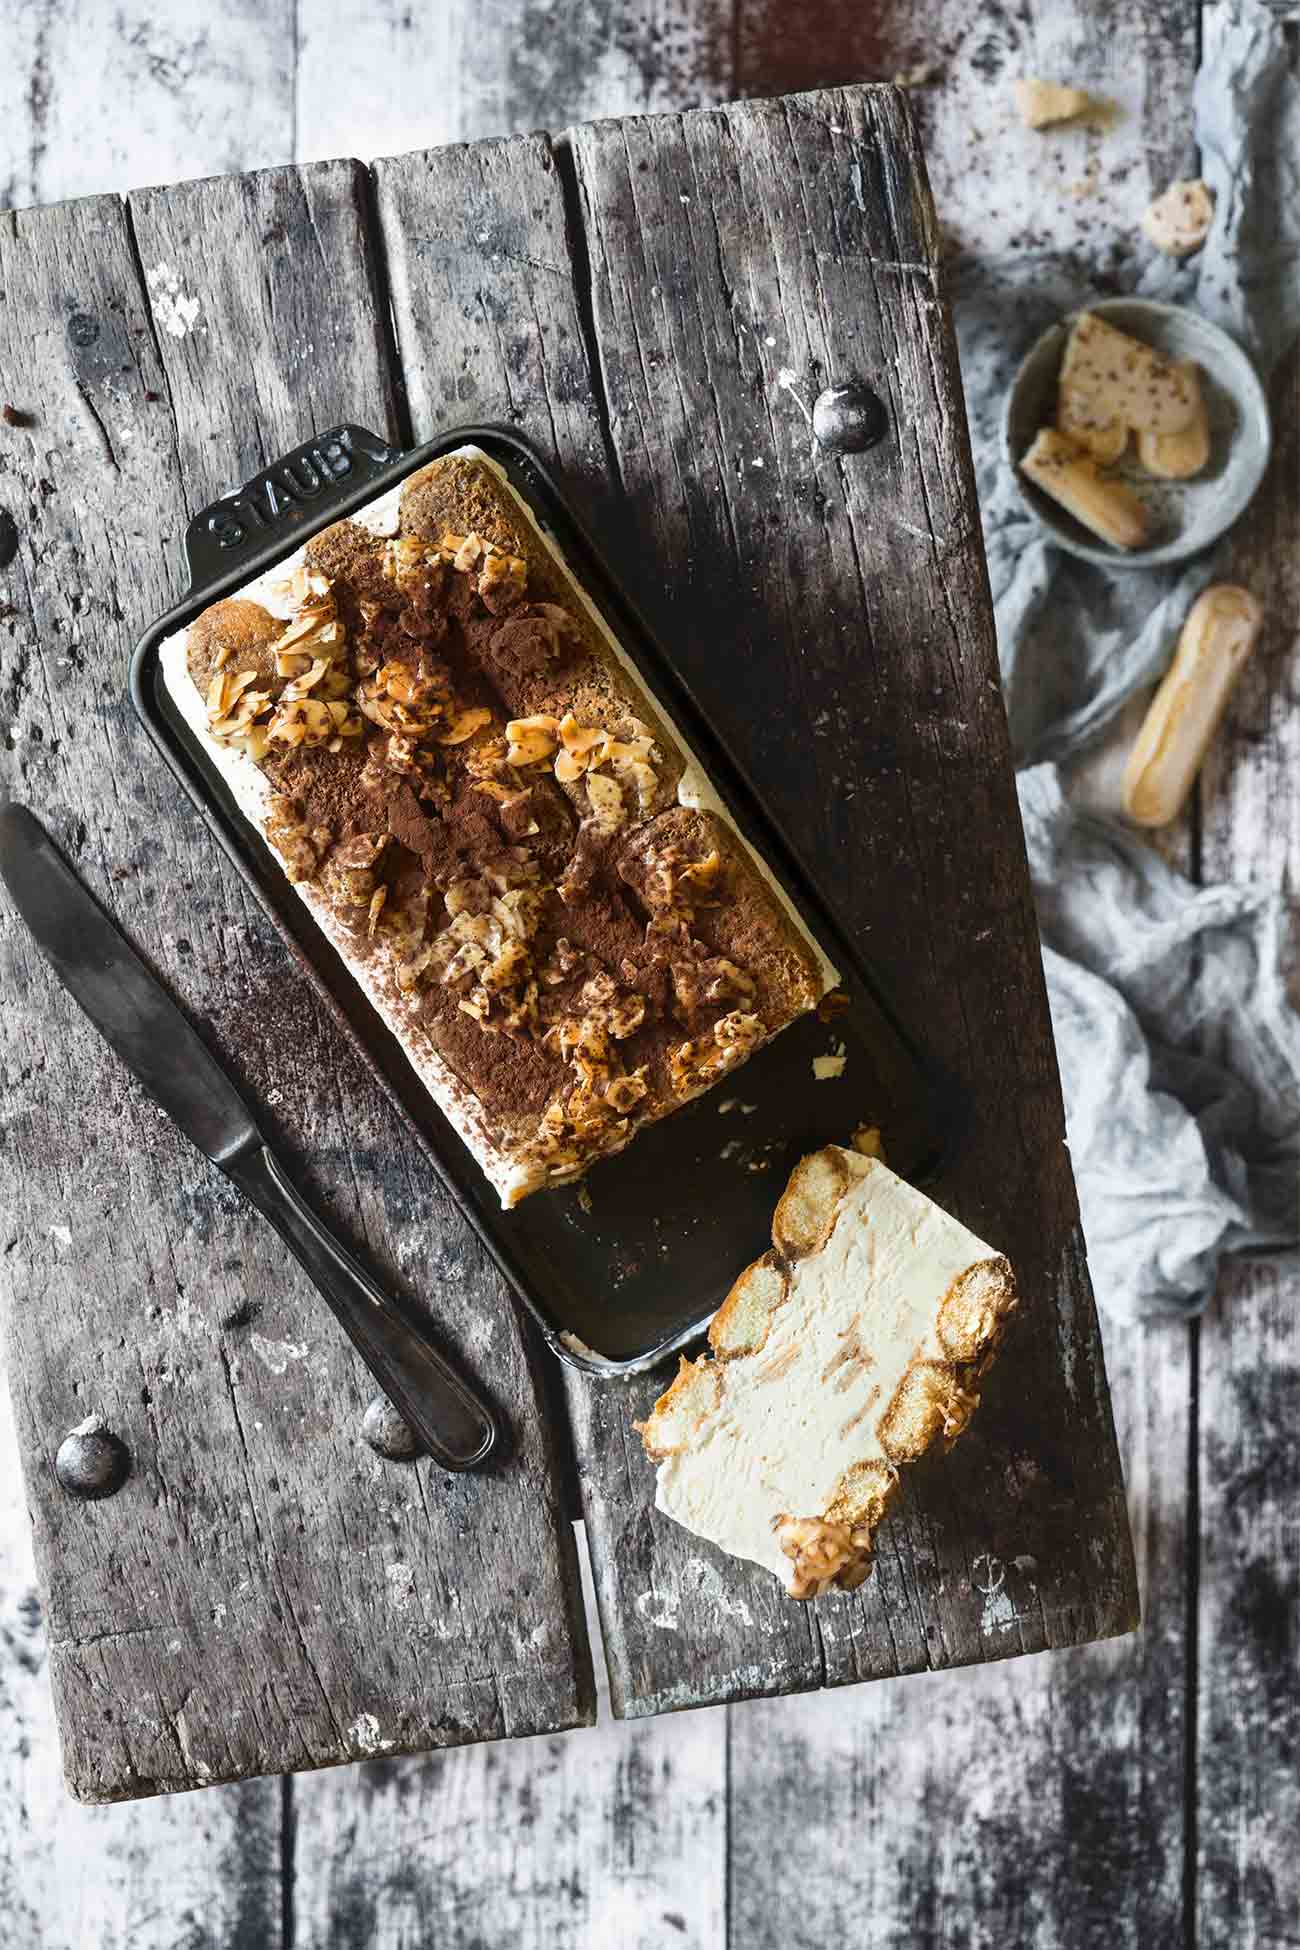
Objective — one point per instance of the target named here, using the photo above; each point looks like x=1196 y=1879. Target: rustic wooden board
x=265 y=1593
x=1247 y=1692
x=240 y=304
x=728 y=249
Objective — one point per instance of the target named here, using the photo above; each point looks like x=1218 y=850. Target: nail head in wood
x=848 y=419
x=388 y=1435
x=92 y=1462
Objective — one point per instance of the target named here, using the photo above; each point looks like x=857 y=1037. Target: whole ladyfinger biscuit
x=1221 y=630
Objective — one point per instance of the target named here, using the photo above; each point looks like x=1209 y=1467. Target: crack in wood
x=101 y=429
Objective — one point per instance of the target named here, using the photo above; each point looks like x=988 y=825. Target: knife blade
x=138 y=1019
x=127 y=1005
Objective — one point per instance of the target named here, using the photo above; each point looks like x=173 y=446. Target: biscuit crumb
x=922 y=74
x=1178 y=221
x=1042 y=104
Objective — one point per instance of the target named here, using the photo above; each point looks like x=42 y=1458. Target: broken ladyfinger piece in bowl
x=1063 y=469
x=1181 y=455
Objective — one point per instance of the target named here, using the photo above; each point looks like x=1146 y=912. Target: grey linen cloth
x=1179 y=1052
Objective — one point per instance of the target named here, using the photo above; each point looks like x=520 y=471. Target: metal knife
x=136 y=1017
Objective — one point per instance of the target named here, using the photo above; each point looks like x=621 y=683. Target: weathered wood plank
x=578 y=1842
x=265 y=1594
x=997 y=185
x=740 y=260
x=95 y=98
x=484 y=306
x=418 y=79
x=122 y=1878
x=1248 y=1766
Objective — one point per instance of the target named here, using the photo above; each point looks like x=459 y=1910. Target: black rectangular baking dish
x=632 y=1261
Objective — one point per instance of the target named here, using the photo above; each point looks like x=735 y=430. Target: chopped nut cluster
x=350 y=871
x=824 y=1554
x=315 y=633
x=411 y=563
x=701 y=1060
x=605 y=1090
x=300 y=847
x=500 y=579
x=484 y=952
x=312 y=721
x=580 y=751
x=234 y=709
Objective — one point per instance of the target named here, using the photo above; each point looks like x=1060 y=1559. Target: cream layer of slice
x=846 y=1351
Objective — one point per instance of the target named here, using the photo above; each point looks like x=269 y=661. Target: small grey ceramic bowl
x=1186 y=515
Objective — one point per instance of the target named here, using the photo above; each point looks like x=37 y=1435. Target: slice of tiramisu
x=509 y=843
x=846 y=1351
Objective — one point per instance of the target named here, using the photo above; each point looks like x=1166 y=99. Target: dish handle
x=294 y=491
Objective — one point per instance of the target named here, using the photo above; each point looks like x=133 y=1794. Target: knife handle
x=449 y=1418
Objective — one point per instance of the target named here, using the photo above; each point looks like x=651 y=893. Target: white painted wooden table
x=1142 y=1793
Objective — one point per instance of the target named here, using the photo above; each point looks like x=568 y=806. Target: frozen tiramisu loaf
x=846 y=1351
x=506 y=840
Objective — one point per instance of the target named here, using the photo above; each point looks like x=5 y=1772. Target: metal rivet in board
x=91 y=1461
x=82 y=328
x=388 y=1435
x=850 y=418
